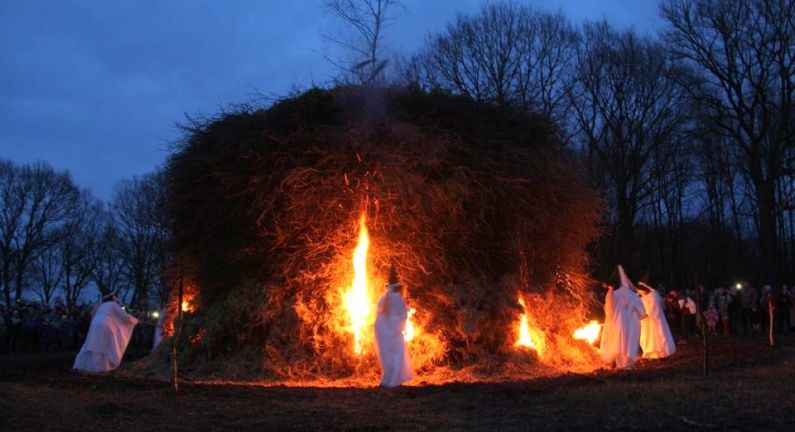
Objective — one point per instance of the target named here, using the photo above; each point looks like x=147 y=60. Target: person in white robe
x=621 y=332
x=390 y=322
x=656 y=340
x=107 y=339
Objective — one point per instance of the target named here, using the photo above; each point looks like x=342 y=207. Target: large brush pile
x=474 y=205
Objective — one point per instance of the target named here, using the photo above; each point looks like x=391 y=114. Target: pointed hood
x=625 y=282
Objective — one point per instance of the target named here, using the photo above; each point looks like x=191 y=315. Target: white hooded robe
x=621 y=332
x=656 y=339
x=107 y=339
x=391 y=348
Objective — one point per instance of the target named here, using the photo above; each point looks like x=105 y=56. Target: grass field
x=751 y=387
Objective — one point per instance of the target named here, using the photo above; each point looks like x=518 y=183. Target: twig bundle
x=473 y=204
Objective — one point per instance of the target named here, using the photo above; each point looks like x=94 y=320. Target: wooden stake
x=771 y=327
x=704 y=333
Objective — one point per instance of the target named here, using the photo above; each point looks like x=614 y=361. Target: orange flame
x=408 y=333
x=529 y=336
x=589 y=332
x=357 y=299
x=188 y=296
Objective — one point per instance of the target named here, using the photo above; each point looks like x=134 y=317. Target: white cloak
x=107 y=339
x=391 y=348
x=607 y=343
x=621 y=332
x=656 y=340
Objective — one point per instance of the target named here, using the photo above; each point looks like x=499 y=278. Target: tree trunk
x=67 y=272
x=704 y=333
x=768 y=244
x=7 y=283
x=18 y=282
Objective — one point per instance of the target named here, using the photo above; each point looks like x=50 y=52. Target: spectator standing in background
x=747 y=302
x=14 y=329
x=712 y=319
x=29 y=330
x=689 y=310
x=735 y=311
x=672 y=313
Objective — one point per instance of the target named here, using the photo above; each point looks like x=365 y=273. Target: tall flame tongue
x=525 y=340
x=357 y=299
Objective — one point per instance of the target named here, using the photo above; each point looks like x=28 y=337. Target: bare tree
x=36 y=200
x=12 y=208
x=627 y=105
x=746 y=52
x=506 y=54
x=365 y=21
x=107 y=266
x=75 y=245
x=142 y=233
x=48 y=272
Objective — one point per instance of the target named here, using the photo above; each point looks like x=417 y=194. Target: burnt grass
x=751 y=387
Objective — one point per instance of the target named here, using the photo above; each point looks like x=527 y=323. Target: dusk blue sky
x=96 y=87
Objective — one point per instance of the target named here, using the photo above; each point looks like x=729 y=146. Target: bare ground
x=751 y=387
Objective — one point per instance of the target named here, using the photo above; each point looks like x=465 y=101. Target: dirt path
x=752 y=387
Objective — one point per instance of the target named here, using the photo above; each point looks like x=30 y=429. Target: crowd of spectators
x=739 y=310
x=30 y=327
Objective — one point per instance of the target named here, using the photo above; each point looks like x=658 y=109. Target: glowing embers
x=528 y=335
x=589 y=332
x=357 y=300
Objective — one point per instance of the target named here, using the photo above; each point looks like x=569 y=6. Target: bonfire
x=292 y=215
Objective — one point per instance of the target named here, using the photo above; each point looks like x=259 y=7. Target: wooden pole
x=772 y=317
x=175 y=338
x=702 y=318
x=704 y=333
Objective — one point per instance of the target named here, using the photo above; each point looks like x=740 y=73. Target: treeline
x=57 y=241
x=689 y=133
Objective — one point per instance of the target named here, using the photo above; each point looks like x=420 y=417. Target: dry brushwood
x=475 y=205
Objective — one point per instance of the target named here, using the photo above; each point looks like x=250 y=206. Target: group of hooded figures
x=634 y=320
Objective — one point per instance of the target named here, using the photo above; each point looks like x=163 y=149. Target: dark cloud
x=96 y=87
